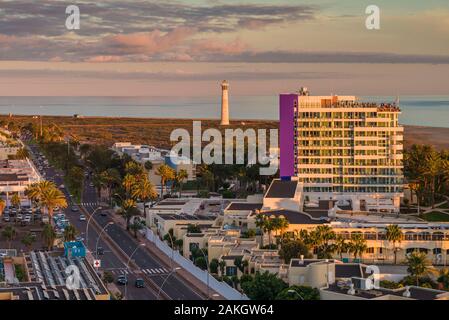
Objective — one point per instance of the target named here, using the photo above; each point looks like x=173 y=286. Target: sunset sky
x=184 y=48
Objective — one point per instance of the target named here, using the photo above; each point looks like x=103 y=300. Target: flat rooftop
x=244 y=206
x=282 y=189
x=293 y=217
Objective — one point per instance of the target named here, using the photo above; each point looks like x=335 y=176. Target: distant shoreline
x=156 y=131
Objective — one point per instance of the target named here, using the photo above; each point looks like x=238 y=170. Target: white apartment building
x=342 y=150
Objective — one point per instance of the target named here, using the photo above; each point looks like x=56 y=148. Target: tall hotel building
x=342 y=150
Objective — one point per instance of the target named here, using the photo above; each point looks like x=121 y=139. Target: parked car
x=122 y=279
x=6 y=218
x=19 y=217
x=45 y=219
x=139 y=283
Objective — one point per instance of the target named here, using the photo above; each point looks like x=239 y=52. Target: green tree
x=15 y=200
x=193 y=228
x=213 y=265
x=291 y=249
x=9 y=233
x=179 y=179
x=299 y=293
x=393 y=235
x=129 y=210
x=136 y=226
x=69 y=233
x=167 y=174
x=341 y=246
x=418 y=265
x=264 y=286
x=443 y=278
x=28 y=240
x=358 y=245
x=145 y=191
x=48 y=236
x=201 y=262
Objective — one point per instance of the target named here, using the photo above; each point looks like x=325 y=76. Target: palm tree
x=144 y=190
x=433 y=168
x=69 y=233
x=283 y=225
x=128 y=182
x=443 y=278
x=48 y=236
x=166 y=173
x=9 y=233
x=52 y=198
x=2 y=206
x=180 y=176
x=358 y=245
x=417 y=265
x=129 y=210
x=15 y=200
x=394 y=235
x=341 y=246
x=260 y=223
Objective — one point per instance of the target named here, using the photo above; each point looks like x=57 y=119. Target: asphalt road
x=174 y=287
x=149 y=265
x=109 y=260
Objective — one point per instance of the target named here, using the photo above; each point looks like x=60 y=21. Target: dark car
x=122 y=279
x=100 y=251
x=103 y=213
x=139 y=283
x=74 y=209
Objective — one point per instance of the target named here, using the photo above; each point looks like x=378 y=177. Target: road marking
x=162 y=270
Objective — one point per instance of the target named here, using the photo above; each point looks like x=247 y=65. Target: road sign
x=97 y=264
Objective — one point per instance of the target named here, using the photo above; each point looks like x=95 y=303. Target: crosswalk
x=87 y=204
x=149 y=271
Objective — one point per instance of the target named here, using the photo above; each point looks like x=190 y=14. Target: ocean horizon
x=432 y=111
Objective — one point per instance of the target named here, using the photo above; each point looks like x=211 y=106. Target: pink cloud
x=105 y=59
x=148 y=42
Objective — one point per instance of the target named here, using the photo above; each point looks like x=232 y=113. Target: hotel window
x=231 y=271
x=370 y=250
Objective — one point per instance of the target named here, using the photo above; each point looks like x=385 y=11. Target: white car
x=82 y=217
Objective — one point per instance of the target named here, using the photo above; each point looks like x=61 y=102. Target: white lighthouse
x=224 y=104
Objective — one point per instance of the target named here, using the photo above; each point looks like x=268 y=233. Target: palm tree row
x=46 y=195
x=427 y=172
x=269 y=224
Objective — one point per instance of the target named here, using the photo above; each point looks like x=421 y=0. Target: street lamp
x=165 y=280
x=127 y=264
x=207 y=271
x=99 y=236
x=296 y=293
x=87 y=226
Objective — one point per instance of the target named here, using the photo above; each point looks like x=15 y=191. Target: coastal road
x=174 y=287
x=110 y=261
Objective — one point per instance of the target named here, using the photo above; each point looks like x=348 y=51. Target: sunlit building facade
x=343 y=150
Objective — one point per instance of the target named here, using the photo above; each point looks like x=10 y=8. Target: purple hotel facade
x=287 y=104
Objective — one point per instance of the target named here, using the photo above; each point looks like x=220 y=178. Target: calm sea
x=416 y=110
